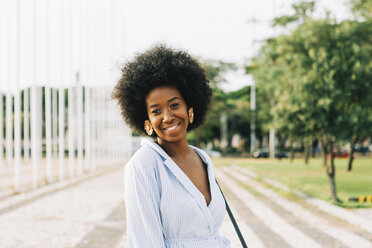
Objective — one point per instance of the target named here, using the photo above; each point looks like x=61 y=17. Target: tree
x=316 y=75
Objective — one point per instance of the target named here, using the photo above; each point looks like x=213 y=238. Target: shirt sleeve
x=142 y=201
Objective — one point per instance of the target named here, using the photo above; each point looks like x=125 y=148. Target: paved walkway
x=26 y=173
x=91 y=213
x=292 y=223
x=69 y=217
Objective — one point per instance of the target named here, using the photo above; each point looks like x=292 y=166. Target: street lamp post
x=253 y=116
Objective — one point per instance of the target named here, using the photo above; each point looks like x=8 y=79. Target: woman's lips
x=170 y=128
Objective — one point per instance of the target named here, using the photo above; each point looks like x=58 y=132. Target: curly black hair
x=161 y=66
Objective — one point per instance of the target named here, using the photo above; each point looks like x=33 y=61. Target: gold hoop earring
x=148 y=128
x=191 y=115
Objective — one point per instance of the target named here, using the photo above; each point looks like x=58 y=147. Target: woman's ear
x=191 y=115
x=148 y=127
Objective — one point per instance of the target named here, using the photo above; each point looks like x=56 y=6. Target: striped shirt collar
x=165 y=156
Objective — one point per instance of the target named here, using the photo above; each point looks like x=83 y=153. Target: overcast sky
x=211 y=29
x=46 y=41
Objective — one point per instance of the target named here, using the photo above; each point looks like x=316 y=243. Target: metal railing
x=58 y=65
x=72 y=131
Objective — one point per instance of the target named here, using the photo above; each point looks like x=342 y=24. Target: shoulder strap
x=242 y=241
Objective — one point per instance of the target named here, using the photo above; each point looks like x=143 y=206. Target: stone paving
x=66 y=217
x=91 y=213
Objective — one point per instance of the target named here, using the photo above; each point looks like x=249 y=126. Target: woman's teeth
x=172 y=127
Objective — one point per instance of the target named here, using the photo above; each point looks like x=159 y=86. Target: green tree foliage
x=302 y=11
x=318 y=80
x=361 y=8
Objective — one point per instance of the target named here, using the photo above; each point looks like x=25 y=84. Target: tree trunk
x=291 y=151
x=272 y=143
x=331 y=172
x=307 y=153
x=314 y=146
x=351 y=156
x=323 y=149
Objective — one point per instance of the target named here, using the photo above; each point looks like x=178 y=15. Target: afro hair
x=161 y=66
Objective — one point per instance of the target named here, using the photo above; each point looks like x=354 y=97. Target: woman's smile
x=173 y=127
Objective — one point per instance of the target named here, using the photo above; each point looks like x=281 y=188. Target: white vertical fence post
x=4 y=26
x=87 y=103
x=101 y=118
x=26 y=133
x=103 y=122
x=93 y=129
x=48 y=100
x=62 y=65
x=48 y=134
x=17 y=140
x=80 y=128
x=97 y=127
x=39 y=127
x=9 y=127
x=55 y=123
x=71 y=132
x=17 y=112
x=34 y=137
x=34 y=109
x=61 y=134
x=79 y=98
x=69 y=78
x=112 y=131
x=107 y=126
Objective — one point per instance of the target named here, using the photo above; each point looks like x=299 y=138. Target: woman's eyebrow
x=172 y=99
x=153 y=106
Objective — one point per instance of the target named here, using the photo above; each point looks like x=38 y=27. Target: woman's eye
x=174 y=105
x=156 y=111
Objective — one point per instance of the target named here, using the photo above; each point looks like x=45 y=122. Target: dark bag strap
x=242 y=241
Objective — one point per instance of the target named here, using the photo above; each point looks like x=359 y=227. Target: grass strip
x=311 y=178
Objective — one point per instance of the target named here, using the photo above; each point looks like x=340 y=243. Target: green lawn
x=312 y=178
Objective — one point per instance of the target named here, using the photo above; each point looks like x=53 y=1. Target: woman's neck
x=175 y=149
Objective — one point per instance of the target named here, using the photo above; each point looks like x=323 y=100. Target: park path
x=279 y=222
x=91 y=214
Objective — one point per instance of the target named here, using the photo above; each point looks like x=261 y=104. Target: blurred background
x=291 y=82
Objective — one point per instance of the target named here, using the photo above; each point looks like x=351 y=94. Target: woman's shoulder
x=144 y=161
x=143 y=156
x=141 y=172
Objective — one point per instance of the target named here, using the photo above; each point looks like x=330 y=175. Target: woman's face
x=167 y=112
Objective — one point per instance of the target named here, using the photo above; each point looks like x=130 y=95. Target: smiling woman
x=171 y=196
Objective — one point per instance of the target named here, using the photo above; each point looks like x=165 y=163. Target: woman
x=171 y=196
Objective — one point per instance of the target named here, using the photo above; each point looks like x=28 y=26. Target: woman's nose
x=168 y=115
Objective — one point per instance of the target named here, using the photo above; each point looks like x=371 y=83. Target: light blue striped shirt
x=163 y=206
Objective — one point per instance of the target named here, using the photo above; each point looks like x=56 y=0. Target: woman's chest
x=198 y=175
x=183 y=207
